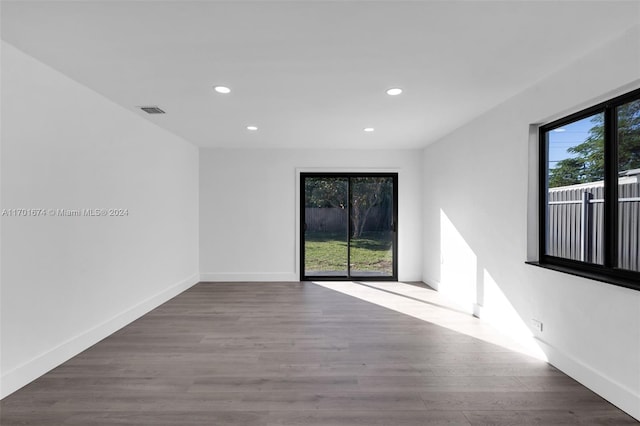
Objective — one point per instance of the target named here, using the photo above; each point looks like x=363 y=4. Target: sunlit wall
x=479 y=208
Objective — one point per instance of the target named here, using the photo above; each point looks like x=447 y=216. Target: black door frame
x=349 y=277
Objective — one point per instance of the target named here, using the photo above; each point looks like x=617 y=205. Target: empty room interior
x=320 y=212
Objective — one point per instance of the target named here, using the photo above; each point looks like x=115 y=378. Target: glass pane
x=628 y=120
x=372 y=226
x=575 y=183
x=326 y=233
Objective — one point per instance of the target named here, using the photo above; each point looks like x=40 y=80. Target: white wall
x=475 y=198
x=249 y=209
x=68 y=282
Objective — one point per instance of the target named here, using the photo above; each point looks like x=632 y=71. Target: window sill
x=606 y=278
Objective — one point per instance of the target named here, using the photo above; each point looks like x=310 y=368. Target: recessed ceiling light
x=222 y=89
x=394 y=91
x=368 y=129
x=252 y=128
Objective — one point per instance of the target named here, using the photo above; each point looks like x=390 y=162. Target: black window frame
x=349 y=175
x=607 y=272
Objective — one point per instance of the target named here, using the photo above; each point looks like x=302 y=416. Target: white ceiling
x=312 y=74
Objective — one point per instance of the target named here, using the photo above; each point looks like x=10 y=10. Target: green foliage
x=588 y=163
x=366 y=193
x=326 y=192
x=629 y=136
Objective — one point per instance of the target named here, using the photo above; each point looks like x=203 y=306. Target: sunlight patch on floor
x=428 y=305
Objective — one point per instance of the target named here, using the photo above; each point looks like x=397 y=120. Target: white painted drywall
x=475 y=190
x=249 y=208
x=68 y=282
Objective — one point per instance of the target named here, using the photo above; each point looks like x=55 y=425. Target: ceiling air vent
x=152 y=110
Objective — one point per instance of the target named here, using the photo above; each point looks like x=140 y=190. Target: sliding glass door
x=349 y=224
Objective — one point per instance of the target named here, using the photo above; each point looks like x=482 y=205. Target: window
x=348 y=226
x=590 y=192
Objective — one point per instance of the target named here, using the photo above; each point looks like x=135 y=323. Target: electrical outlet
x=537 y=325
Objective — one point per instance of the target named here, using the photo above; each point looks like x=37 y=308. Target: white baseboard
x=249 y=277
x=619 y=395
x=477 y=310
x=432 y=283
x=30 y=370
x=265 y=276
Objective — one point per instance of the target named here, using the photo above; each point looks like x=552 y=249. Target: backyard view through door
x=349 y=226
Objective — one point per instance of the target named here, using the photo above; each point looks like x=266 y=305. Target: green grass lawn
x=328 y=252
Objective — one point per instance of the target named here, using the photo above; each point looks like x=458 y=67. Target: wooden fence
x=330 y=219
x=327 y=219
x=576 y=218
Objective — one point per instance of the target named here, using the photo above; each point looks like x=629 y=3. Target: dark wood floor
x=302 y=354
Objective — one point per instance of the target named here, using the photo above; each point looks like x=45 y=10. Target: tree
x=629 y=136
x=326 y=192
x=588 y=163
x=366 y=193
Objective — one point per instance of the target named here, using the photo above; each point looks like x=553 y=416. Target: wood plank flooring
x=302 y=354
